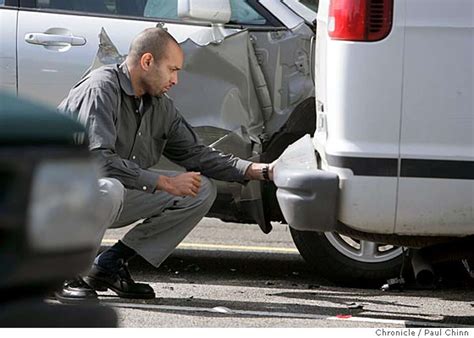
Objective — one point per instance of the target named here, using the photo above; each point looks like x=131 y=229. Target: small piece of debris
x=355 y=306
x=176 y=272
x=343 y=316
x=294 y=284
x=221 y=309
x=295 y=273
x=169 y=288
x=394 y=284
x=190 y=298
x=233 y=270
x=269 y=283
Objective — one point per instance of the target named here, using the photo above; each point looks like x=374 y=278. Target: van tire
x=321 y=254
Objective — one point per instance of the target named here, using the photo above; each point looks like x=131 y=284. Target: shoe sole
x=101 y=285
x=75 y=300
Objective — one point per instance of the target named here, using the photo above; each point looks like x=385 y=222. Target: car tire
x=346 y=261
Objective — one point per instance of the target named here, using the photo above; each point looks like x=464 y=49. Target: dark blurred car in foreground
x=48 y=188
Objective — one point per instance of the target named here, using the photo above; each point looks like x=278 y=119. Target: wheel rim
x=363 y=251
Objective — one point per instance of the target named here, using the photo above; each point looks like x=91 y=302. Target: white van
x=394 y=137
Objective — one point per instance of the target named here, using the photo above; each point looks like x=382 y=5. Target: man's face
x=163 y=74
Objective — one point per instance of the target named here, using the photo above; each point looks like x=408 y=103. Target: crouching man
x=131 y=123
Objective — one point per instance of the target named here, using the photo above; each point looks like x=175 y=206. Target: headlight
x=63 y=209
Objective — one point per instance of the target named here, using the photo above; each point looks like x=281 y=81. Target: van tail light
x=360 y=20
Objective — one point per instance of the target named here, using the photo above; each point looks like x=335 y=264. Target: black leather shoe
x=121 y=282
x=76 y=291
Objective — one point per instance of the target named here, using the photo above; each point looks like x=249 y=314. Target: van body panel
x=438 y=119
x=395 y=120
x=359 y=113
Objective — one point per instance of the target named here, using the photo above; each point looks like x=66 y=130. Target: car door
x=58 y=40
x=8 y=17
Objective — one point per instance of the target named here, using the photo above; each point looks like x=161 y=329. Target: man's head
x=154 y=60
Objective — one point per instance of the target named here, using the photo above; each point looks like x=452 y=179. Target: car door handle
x=54 y=39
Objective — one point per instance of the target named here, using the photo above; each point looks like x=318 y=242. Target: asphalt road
x=233 y=275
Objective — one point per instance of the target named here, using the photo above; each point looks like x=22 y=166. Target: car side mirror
x=214 y=11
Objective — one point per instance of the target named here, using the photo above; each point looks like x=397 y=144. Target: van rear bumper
x=308 y=198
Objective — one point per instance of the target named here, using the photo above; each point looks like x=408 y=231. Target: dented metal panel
x=252 y=80
x=221 y=71
x=222 y=74
x=285 y=60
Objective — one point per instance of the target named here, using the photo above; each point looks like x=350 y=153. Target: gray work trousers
x=167 y=218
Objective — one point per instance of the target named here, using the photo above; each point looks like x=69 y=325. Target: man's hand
x=255 y=172
x=186 y=184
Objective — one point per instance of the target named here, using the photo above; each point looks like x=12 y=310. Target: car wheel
x=348 y=261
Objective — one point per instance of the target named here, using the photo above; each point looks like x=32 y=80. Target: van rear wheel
x=347 y=261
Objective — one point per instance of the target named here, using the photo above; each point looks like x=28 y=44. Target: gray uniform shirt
x=129 y=134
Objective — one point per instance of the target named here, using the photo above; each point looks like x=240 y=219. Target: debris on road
x=343 y=316
x=353 y=306
x=221 y=309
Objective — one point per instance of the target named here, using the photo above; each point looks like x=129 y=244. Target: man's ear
x=146 y=60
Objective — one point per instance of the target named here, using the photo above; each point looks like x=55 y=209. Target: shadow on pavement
x=243 y=309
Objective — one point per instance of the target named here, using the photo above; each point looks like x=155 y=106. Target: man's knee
x=208 y=190
x=112 y=194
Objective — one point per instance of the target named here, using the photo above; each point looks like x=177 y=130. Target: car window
x=242 y=12
x=311 y=4
x=114 y=7
x=2 y=2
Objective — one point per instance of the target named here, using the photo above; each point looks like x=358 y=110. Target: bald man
x=131 y=123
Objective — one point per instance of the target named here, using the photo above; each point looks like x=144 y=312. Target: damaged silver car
x=247 y=86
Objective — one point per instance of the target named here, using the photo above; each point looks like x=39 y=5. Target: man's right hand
x=186 y=184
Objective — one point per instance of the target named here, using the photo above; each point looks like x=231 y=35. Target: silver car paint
x=7 y=51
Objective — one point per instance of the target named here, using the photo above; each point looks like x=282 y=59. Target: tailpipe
x=422 y=269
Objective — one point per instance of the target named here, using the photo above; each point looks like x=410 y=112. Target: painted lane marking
x=222 y=247
x=404 y=323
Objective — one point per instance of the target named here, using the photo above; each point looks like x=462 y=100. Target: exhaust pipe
x=424 y=274
x=444 y=252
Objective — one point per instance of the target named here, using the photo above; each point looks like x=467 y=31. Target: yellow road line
x=200 y=246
